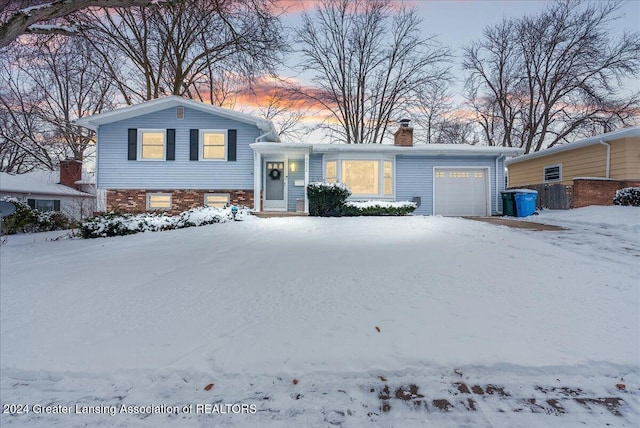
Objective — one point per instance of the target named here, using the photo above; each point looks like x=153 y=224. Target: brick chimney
x=404 y=134
x=70 y=172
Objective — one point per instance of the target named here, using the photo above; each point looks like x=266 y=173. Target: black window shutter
x=56 y=205
x=133 y=144
x=171 y=144
x=31 y=203
x=231 y=145
x=193 y=144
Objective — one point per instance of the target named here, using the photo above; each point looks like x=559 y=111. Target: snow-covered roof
x=37 y=182
x=609 y=136
x=93 y=122
x=422 y=149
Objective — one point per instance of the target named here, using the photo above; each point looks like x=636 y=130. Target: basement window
x=552 y=173
x=217 y=200
x=158 y=201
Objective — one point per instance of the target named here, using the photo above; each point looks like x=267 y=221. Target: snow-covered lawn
x=355 y=310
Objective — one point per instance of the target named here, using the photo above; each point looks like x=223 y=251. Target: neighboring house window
x=213 y=144
x=158 y=201
x=44 y=204
x=217 y=200
x=364 y=177
x=331 y=174
x=552 y=173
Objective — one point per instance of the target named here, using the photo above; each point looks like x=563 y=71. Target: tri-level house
x=173 y=154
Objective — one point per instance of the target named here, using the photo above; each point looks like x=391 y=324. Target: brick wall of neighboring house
x=597 y=192
x=135 y=201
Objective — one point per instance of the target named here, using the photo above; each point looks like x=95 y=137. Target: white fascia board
x=610 y=136
x=92 y=122
x=426 y=149
x=274 y=147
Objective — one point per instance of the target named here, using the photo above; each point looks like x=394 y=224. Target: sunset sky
x=456 y=23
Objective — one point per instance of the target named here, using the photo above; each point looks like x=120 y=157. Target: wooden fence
x=553 y=196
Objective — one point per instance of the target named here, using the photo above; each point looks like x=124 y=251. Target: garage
x=461 y=191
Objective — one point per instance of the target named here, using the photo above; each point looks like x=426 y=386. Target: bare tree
x=24 y=135
x=538 y=80
x=284 y=106
x=367 y=57
x=47 y=86
x=173 y=47
x=71 y=85
x=19 y=17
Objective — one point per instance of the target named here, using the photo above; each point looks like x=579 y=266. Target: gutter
x=502 y=156
x=607 y=166
x=263 y=135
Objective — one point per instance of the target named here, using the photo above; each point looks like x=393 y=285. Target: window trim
x=380 y=158
x=547 y=167
x=201 y=133
x=204 y=199
x=149 y=195
x=141 y=132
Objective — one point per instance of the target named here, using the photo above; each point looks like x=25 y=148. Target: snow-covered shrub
x=378 y=208
x=118 y=224
x=326 y=199
x=628 y=196
x=27 y=219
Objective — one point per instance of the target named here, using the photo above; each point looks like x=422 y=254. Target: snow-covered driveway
x=337 y=301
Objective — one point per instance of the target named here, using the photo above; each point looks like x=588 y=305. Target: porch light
x=292 y=167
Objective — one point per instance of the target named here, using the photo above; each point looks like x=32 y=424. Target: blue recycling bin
x=525 y=202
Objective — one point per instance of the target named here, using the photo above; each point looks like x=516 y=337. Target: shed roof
x=609 y=136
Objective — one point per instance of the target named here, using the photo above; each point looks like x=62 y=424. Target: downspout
x=498 y=181
x=263 y=135
x=608 y=157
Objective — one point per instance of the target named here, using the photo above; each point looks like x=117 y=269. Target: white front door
x=274 y=186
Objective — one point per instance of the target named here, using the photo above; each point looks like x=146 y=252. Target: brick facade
x=135 y=201
x=597 y=192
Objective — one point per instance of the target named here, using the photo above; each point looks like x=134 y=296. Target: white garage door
x=461 y=192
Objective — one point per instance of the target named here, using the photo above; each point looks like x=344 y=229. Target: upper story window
x=364 y=177
x=213 y=144
x=552 y=173
x=152 y=144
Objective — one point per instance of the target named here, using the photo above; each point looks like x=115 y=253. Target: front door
x=274 y=191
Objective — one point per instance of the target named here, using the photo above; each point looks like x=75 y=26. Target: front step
x=268 y=214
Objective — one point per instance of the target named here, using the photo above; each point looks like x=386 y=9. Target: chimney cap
x=404 y=123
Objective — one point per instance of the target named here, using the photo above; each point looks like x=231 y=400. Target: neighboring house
x=173 y=154
x=590 y=170
x=65 y=190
